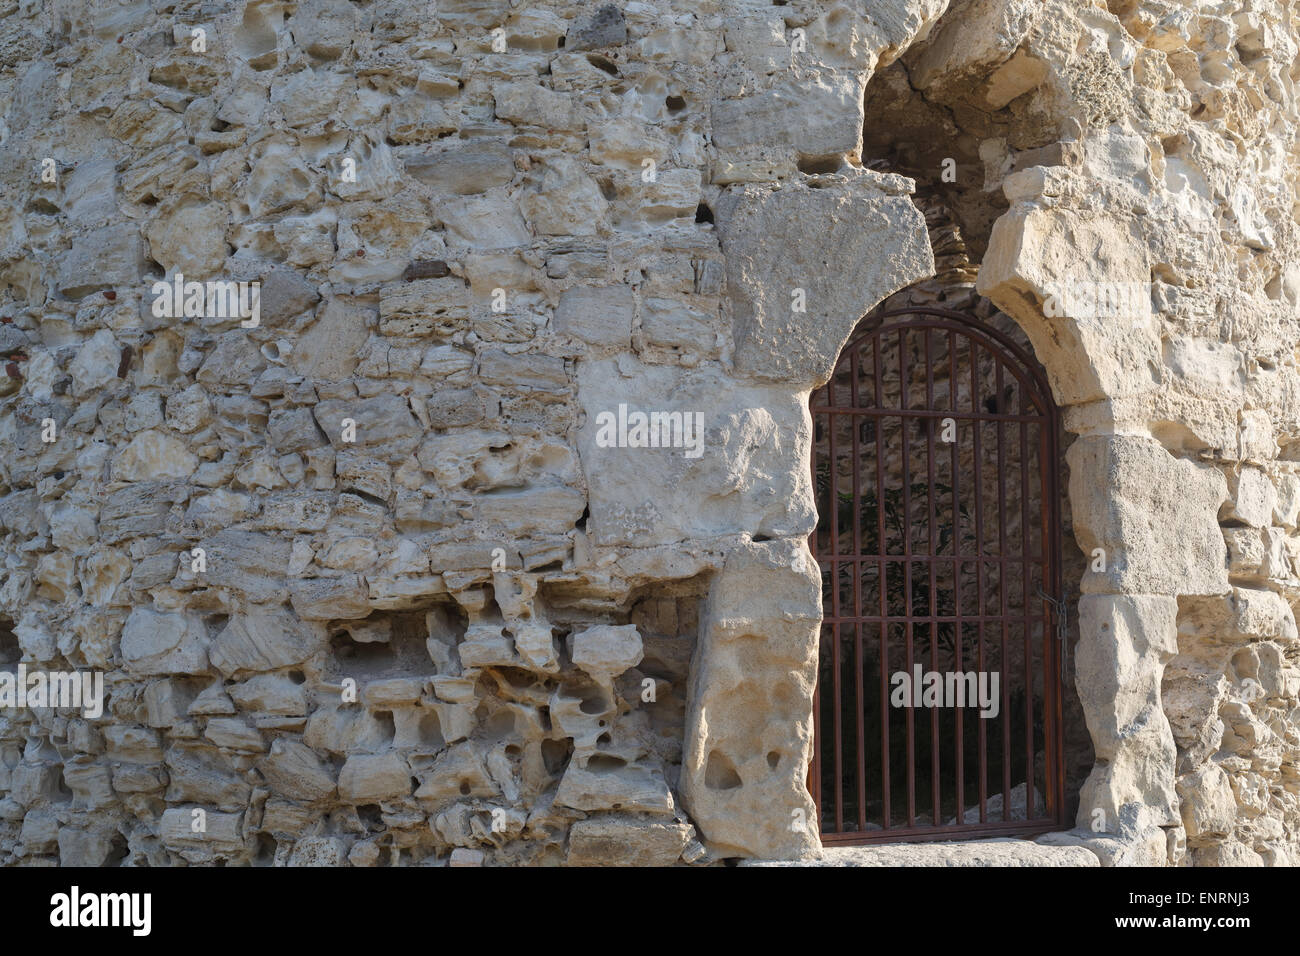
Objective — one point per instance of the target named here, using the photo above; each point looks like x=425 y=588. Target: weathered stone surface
x=735 y=442
x=262 y=641
x=597 y=316
x=477 y=631
x=1001 y=852
x=154 y=643
x=861 y=244
x=1132 y=783
x=1155 y=542
x=626 y=841
x=752 y=680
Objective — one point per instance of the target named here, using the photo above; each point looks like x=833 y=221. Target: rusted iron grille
x=935 y=465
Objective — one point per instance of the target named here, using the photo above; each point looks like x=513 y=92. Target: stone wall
x=367 y=582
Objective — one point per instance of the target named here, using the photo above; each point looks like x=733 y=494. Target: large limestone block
x=972 y=41
x=1125 y=641
x=1155 y=517
x=604 y=782
x=605 y=651
x=846 y=246
x=816 y=116
x=749 y=718
x=220 y=835
x=473 y=168
x=617 y=840
x=599 y=316
x=154 y=643
x=369 y=778
x=152 y=456
x=295 y=771
x=1208 y=807
x=746 y=473
x=247 y=562
x=263 y=641
x=109 y=257
x=1048 y=260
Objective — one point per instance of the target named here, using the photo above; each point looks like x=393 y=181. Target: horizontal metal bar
x=847 y=558
x=924 y=413
x=955 y=832
x=949 y=619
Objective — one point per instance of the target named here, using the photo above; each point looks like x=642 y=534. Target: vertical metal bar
x=1002 y=596
x=1054 y=799
x=882 y=548
x=979 y=570
x=956 y=565
x=856 y=422
x=833 y=422
x=1026 y=603
x=906 y=525
x=930 y=424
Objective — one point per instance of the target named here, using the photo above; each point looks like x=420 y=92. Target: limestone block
x=328 y=350
x=567 y=202
x=108 y=257
x=606 y=651
x=1261 y=615
x=271 y=694
x=600 y=316
x=602 y=782
x=96 y=363
x=154 y=643
x=427 y=307
x=1251 y=498
x=816 y=116
x=370 y=778
x=245 y=561
x=532 y=510
x=153 y=456
x=486 y=221
x=190 y=238
x=526 y=103
x=846 y=246
x=1037 y=258
x=338 y=598
x=748 y=734
x=1153 y=516
x=85 y=846
x=475 y=167
x=294 y=770
x=234 y=734
x=221 y=833
x=379 y=420
x=1208 y=808
x=544 y=372
x=1125 y=641
x=618 y=840
x=741 y=475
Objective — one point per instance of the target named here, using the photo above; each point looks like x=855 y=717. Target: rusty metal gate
x=938 y=705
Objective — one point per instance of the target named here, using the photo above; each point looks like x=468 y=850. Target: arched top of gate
x=999 y=345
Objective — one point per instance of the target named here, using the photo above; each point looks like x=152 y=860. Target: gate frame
x=1030 y=374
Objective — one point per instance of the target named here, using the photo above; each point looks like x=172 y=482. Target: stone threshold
x=1003 y=851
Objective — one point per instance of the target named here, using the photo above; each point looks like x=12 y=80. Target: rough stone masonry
x=364 y=584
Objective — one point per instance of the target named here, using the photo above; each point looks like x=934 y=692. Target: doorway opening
x=938 y=712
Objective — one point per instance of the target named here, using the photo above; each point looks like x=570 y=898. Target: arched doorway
x=936 y=467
